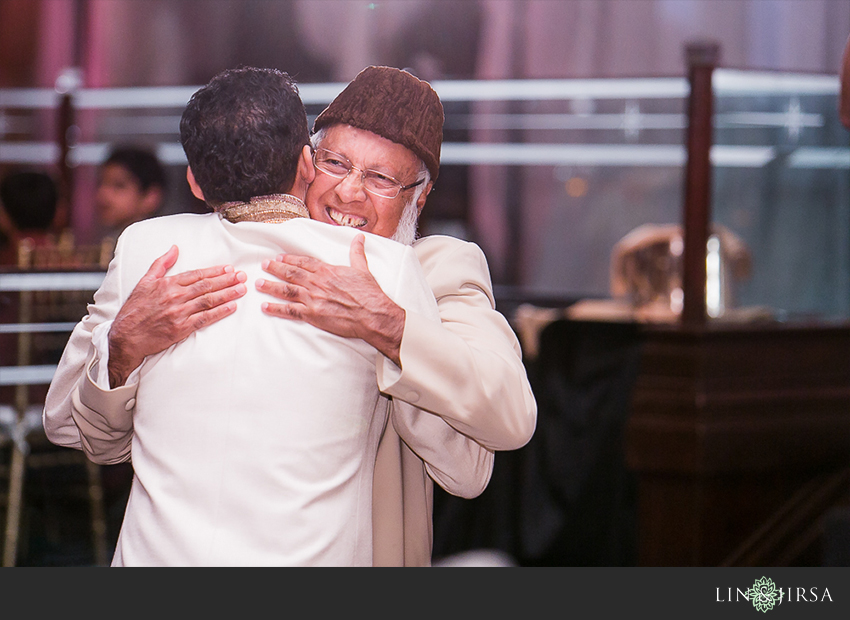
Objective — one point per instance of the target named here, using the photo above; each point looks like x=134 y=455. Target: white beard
x=406 y=231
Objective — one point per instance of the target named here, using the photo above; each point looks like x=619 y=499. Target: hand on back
x=346 y=301
x=163 y=310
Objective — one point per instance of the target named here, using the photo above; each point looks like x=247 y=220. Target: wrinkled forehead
x=366 y=149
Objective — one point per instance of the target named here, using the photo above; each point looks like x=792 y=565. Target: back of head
x=395 y=105
x=243 y=134
x=142 y=163
x=30 y=199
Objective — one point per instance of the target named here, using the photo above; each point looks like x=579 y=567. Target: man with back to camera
x=468 y=369
x=253 y=441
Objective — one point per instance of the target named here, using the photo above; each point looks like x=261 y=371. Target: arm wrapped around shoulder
x=104 y=419
x=467 y=369
x=458 y=464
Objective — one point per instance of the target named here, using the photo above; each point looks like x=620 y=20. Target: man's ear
x=305 y=164
x=305 y=172
x=193 y=184
x=420 y=202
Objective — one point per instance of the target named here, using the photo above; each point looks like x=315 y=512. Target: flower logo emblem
x=764 y=594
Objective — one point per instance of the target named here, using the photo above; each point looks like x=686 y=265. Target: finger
x=307 y=263
x=188 y=278
x=161 y=265
x=205 y=299
x=212 y=315
x=288 y=273
x=284 y=291
x=284 y=311
x=357 y=253
x=231 y=283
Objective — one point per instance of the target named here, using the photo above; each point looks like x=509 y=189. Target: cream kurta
x=467 y=369
x=254 y=439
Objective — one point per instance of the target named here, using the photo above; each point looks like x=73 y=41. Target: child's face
x=119 y=200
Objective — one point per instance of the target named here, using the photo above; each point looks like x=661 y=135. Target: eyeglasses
x=374 y=182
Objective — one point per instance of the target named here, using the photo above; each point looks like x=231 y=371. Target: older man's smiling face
x=345 y=202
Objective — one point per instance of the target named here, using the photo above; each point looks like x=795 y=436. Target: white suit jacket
x=253 y=441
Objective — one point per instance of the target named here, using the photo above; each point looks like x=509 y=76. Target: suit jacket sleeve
x=104 y=419
x=77 y=413
x=468 y=368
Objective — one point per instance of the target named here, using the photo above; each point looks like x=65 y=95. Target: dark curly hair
x=243 y=133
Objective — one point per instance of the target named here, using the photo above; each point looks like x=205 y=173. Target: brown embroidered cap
x=394 y=104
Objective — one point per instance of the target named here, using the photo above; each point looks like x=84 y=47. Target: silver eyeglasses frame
x=366 y=175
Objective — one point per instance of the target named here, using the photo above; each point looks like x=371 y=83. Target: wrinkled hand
x=346 y=301
x=162 y=311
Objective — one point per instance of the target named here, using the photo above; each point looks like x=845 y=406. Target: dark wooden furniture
x=740 y=440
x=739 y=434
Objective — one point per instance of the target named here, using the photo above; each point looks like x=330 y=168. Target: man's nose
x=350 y=188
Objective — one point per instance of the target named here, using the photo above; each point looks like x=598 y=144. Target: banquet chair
x=44 y=318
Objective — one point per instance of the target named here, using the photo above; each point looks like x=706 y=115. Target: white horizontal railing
x=52 y=281
x=41 y=281
x=27 y=375
x=725 y=82
x=469 y=153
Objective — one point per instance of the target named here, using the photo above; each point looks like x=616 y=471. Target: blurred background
x=549 y=228
x=565 y=129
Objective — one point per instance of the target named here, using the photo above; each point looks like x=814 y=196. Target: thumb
x=357 y=253
x=162 y=264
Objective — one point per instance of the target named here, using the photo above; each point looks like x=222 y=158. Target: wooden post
x=65 y=126
x=701 y=60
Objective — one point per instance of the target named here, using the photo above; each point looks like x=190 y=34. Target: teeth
x=344 y=219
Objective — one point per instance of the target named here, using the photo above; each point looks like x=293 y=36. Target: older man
x=383 y=130
x=370 y=128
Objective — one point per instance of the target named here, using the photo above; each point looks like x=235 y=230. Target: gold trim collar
x=272 y=209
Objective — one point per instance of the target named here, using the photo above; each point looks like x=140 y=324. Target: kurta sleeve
x=460 y=465
x=468 y=368
x=74 y=402
x=104 y=419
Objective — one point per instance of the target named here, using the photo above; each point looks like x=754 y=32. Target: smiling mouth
x=344 y=219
